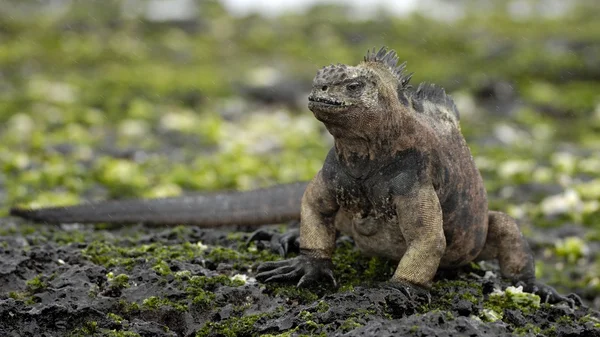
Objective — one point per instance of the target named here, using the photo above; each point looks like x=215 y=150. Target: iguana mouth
x=327 y=101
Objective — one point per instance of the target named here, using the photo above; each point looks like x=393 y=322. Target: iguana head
x=361 y=97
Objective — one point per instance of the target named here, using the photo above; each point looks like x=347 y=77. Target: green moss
x=576 y=96
x=34 y=285
x=512 y=298
x=491 y=315
x=183 y=275
x=223 y=254
x=445 y=293
x=379 y=269
x=571 y=248
x=202 y=298
x=121 y=176
x=565 y=320
x=120 y=281
x=200 y=288
x=241 y=258
x=231 y=327
x=305 y=315
x=39 y=283
x=111 y=255
x=356 y=319
x=154 y=302
x=89 y=328
x=531 y=328
x=128 y=307
x=353 y=268
x=312 y=326
x=114 y=318
x=162 y=268
x=120 y=333
x=589 y=318
x=322 y=306
x=18 y=295
x=211 y=283
x=302 y=295
x=289 y=333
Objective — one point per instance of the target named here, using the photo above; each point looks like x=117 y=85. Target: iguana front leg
x=420 y=218
x=317 y=240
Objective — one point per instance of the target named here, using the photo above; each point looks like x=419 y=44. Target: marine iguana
x=400 y=180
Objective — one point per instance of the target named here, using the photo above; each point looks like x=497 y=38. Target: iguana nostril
x=324 y=88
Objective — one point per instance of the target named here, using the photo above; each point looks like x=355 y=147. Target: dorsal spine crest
x=390 y=60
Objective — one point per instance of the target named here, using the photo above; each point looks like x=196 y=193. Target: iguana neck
x=396 y=133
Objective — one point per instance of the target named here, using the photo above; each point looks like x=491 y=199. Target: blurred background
x=134 y=98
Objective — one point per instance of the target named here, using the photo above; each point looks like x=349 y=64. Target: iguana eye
x=354 y=86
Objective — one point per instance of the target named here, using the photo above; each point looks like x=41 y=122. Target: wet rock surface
x=140 y=281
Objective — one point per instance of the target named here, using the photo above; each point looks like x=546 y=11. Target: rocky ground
x=98 y=104
x=185 y=281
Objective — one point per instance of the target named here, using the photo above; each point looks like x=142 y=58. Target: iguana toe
x=548 y=294
x=411 y=291
x=315 y=278
x=282 y=244
x=302 y=269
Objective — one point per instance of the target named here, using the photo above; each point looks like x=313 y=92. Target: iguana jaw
x=325 y=104
x=330 y=111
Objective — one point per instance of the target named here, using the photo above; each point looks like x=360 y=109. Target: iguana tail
x=257 y=207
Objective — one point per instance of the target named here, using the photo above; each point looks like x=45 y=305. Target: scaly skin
x=252 y=208
x=401 y=181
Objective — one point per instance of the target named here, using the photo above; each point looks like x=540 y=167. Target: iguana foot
x=548 y=294
x=506 y=243
x=282 y=244
x=411 y=291
x=303 y=269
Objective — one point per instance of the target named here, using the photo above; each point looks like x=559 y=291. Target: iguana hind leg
x=506 y=243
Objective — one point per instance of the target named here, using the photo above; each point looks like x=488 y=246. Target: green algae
x=210 y=283
x=446 y=292
x=571 y=248
x=115 y=318
x=128 y=307
x=357 y=319
x=38 y=283
x=154 y=302
x=231 y=327
x=589 y=318
x=322 y=307
x=353 y=268
x=158 y=254
x=119 y=333
x=118 y=282
x=510 y=298
x=200 y=288
x=293 y=293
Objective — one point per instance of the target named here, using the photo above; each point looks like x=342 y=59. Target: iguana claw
x=303 y=269
x=411 y=291
x=548 y=294
x=282 y=244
